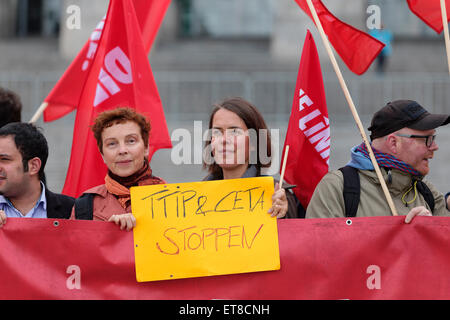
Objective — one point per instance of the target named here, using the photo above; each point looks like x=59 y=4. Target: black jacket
x=59 y=206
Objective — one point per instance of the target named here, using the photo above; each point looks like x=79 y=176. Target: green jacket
x=328 y=200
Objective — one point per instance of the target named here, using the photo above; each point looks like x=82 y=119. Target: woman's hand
x=126 y=221
x=279 y=203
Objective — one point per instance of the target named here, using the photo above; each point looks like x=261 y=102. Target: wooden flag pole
x=39 y=112
x=352 y=107
x=283 y=167
x=446 y=35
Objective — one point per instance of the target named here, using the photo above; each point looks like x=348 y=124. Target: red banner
x=361 y=258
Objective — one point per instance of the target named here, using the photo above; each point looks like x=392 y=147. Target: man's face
x=414 y=151
x=12 y=175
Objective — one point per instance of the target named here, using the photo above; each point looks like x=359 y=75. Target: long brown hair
x=252 y=119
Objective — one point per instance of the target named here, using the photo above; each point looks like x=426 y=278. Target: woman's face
x=123 y=148
x=230 y=140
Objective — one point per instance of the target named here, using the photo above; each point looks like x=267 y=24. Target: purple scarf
x=388 y=161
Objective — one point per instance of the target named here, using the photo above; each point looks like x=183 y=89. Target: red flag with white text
x=356 y=48
x=65 y=96
x=119 y=75
x=429 y=11
x=308 y=133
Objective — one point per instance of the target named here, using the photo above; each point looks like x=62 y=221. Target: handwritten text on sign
x=208 y=228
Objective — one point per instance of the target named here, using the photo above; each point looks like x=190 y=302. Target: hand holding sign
x=126 y=221
x=279 y=203
x=204 y=228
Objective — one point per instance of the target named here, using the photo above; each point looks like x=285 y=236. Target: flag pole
x=446 y=35
x=39 y=112
x=352 y=107
x=286 y=151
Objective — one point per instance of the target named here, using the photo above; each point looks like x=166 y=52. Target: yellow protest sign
x=205 y=228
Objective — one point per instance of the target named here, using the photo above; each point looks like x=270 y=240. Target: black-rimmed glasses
x=428 y=139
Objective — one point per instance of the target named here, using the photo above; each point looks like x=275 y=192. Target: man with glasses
x=403 y=139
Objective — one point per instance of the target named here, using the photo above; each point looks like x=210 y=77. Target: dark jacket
x=59 y=206
x=295 y=208
x=446 y=196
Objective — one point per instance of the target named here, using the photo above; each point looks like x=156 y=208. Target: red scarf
x=120 y=186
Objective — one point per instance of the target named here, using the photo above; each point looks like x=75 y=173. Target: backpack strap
x=446 y=203
x=84 y=207
x=426 y=193
x=352 y=190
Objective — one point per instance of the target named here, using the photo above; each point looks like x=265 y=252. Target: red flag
x=65 y=96
x=308 y=134
x=429 y=11
x=120 y=75
x=356 y=48
x=150 y=14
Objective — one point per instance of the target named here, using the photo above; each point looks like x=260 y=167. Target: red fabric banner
x=429 y=11
x=308 y=133
x=356 y=48
x=65 y=96
x=358 y=258
x=150 y=14
x=120 y=75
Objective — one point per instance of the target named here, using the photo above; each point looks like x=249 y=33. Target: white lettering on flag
x=91 y=50
x=100 y=95
x=314 y=129
x=314 y=126
x=324 y=139
x=119 y=67
x=95 y=36
x=307 y=118
x=304 y=99
x=108 y=82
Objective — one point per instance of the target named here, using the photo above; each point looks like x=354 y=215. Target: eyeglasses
x=232 y=132
x=428 y=139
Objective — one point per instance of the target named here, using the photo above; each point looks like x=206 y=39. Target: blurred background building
x=207 y=50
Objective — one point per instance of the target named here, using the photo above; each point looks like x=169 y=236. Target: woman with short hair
x=122 y=137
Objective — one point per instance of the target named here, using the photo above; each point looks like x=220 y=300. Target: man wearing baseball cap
x=403 y=139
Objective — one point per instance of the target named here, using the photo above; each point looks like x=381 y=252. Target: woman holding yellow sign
x=122 y=137
x=240 y=147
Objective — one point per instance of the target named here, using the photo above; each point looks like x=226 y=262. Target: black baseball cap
x=400 y=114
